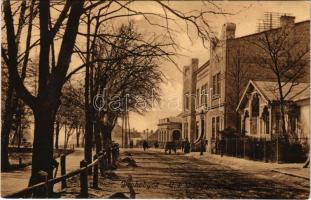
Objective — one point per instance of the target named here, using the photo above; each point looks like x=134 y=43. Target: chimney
x=228 y=31
x=287 y=21
x=195 y=63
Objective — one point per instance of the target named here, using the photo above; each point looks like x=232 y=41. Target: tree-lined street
x=160 y=175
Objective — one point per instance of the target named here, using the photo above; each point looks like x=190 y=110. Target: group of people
x=185 y=146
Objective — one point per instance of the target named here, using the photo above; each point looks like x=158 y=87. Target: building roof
x=269 y=91
x=261 y=32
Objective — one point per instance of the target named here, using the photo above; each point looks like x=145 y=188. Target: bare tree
x=286 y=55
x=132 y=75
x=238 y=76
x=61 y=27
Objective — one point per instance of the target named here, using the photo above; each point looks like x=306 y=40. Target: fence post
x=95 y=172
x=226 y=146
x=109 y=156
x=264 y=150
x=236 y=147
x=101 y=163
x=244 y=147
x=83 y=180
x=42 y=192
x=106 y=159
x=63 y=170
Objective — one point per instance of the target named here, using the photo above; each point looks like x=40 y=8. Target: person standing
x=222 y=146
x=202 y=146
x=187 y=146
x=145 y=145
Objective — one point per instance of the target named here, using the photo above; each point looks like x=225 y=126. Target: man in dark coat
x=187 y=146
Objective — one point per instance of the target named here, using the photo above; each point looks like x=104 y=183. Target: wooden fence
x=103 y=161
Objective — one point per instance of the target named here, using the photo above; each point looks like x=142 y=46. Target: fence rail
x=105 y=159
x=263 y=150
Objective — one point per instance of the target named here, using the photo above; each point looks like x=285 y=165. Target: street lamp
x=202 y=132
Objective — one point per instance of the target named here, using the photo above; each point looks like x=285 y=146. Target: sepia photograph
x=157 y=99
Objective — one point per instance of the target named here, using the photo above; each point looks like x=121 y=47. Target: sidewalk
x=17 y=180
x=291 y=169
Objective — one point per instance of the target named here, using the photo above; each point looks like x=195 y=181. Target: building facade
x=169 y=130
x=259 y=109
x=212 y=92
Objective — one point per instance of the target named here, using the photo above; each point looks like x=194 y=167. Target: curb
x=290 y=174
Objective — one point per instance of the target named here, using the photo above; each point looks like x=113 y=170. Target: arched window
x=266 y=119
x=255 y=106
x=254 y=113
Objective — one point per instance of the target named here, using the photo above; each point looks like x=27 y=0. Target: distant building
x=134 y=136
x=211 y=92
x=169 y=129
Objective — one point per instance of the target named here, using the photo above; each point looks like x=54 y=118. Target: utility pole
x=126 y=132
x=129 y=128
x=122 y=129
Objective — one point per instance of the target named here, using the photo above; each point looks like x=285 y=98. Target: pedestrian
x=222 y=146
x=187 y=146
x=202 y=146
x=145 y=145
x=183 y=145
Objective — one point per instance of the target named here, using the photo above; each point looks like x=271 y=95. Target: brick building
x=211 y=92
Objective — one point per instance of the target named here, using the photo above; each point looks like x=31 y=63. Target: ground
x=179 y=176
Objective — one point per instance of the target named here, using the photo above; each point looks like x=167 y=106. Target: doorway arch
x=176 y=136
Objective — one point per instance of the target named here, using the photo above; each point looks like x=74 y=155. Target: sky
x=244 y=14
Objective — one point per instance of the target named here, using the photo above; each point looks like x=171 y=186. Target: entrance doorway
x=176 y=135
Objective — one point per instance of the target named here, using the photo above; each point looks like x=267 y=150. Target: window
x=202 y=95
x=187 y=101
x=185 y=130
x=255 y=106
x=216 y=84
x=254 y=113
x=202 y=127
x=265 y=115
x=205 y=94
x=215 y=126
x=198 y=98
x=197 y=130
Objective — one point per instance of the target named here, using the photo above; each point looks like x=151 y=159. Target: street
x=179 y=176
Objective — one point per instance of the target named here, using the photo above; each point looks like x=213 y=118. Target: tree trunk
x=5 y=130
x=42 y=154
x=78 y=133
x=98 y=141
x=57 y=130
x=105 y=135
x=284 y=132
x=65 y=139
x=88 y=122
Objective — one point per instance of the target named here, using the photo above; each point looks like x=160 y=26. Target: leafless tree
x=286 y=55
x=238 y=75
x=52 y=28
